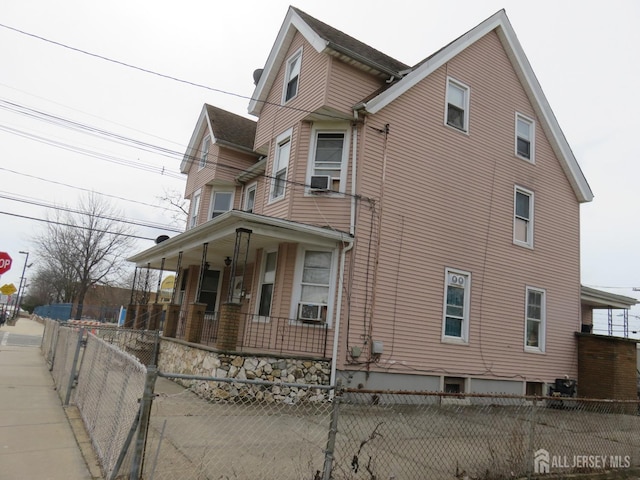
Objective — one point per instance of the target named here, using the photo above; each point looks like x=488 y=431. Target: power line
x=84 y=189
x=74 y=226
x=163 y=75
x=138 y=223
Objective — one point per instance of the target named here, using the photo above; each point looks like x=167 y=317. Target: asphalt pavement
x=39 y=438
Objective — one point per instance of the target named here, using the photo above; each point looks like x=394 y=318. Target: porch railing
x=283 y=334
x=210 y=328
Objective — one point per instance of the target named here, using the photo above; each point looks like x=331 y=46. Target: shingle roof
x=231 y=128
x=347 y=44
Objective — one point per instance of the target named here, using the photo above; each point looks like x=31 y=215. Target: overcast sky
x=585 y=54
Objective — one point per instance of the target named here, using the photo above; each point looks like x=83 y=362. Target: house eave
x=600 y=299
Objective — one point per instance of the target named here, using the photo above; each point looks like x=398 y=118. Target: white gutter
x=345 y=250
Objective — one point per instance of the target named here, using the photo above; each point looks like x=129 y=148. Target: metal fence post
x=532 y=431
x=333 y=431
x=143 y=425
x=74 y=365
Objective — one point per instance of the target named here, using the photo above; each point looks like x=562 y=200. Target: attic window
x=524 y=137
x=457 y=112
x=292 y=76
x=204 y=152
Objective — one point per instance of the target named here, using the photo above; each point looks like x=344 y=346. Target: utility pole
x=20 y=293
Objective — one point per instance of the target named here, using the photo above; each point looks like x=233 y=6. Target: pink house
x=418 y=226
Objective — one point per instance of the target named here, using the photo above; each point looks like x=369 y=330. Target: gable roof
x=323 y=38
x=500 y=23
x=225 y=128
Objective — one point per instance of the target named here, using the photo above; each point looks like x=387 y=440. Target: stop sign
x=5 y=262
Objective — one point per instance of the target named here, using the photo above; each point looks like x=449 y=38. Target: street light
x=24 y=269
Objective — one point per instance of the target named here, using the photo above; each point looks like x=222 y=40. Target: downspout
x=345 y=250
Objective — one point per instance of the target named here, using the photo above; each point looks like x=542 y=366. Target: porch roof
x=220 y=235
x=599 y=299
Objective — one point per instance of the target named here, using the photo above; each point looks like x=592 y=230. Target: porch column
x=195 y=320
x=155 y=313
x=142 y=314
x=229 y=326
x=171 y=317
x=130 y=316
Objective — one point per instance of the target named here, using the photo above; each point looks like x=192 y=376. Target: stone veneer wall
x=180 y=357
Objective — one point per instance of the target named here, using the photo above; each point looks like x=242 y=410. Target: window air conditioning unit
x=320 y=182
x=310 y=312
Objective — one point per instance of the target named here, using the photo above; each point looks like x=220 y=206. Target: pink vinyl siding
x=448 y=202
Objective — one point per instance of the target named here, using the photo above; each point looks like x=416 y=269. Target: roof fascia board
x=194 y=142
x=226 y=224
x=291 y=23
x=523 y=68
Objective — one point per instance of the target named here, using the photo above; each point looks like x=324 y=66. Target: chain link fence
x=156 y=425
x=236 y=429
x=110 y=385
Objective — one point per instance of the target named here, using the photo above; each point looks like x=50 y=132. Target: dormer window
x=204 y=153
x=292 y=77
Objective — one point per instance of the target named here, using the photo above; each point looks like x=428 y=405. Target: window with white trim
x=280 y=166
x=221 y=202
x=328 y=162
x=535 y=320
x=457 y=290
x=523 y=217
x=250 y=198
x=267 y=281
x=315 y=286
x=525 y=136
x=204 y=152
x=195 y=208
x=292 y=77
x=457 y=112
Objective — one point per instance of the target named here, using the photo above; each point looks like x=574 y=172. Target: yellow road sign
x=8 y=289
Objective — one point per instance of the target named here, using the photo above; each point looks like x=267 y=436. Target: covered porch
x=235 y=286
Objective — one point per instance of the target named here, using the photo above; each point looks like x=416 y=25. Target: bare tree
x=177 y=206
x=84 y=247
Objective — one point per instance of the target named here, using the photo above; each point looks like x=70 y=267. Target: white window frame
x=311 y=164
x=215 y=192
x=531 y=221
x=532 y=137
x=195 y=208
x=288 y=75
x=464 y=338
x=252 y=188
x=282 y=139
x=542 y=320
x=263 y=271
x=204 y=152
x=467 y=95
x=297 y=292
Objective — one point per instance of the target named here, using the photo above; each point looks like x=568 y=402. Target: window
x=204 y=153
x=456 y=306
x=535 y=321
x=268 y=279
x=209 y=289
x=329 y=157
x=523 y=217
x=292 y=77
x=314 y=291
x=453 y=384
x=457 y=114
x=250 y=198
x=534 y=389
x=220 y=203
x=525 y=133
x=195 y=208
x=280 y=165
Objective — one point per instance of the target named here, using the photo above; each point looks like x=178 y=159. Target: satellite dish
x=256 y=75
x=162 y=238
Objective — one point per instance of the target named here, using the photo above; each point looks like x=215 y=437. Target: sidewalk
x=36 y=436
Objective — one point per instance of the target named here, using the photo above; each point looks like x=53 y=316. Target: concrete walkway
x=37 y=440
